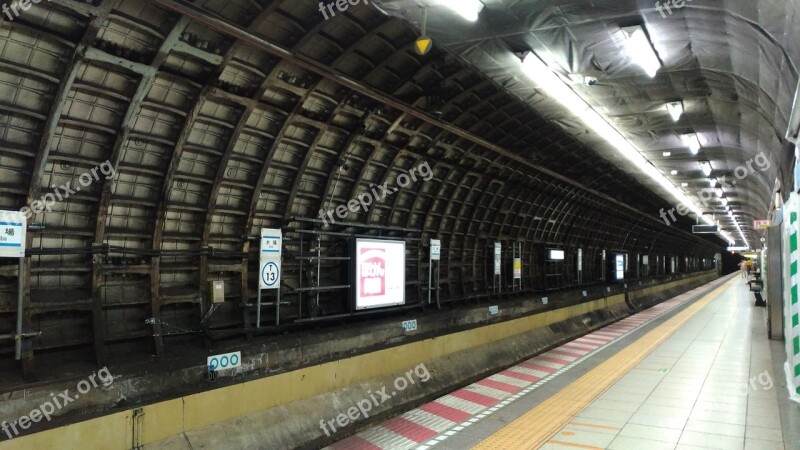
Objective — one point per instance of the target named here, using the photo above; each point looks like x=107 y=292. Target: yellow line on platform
x=537 y=426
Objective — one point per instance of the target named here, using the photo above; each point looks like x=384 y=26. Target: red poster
x=373 y=272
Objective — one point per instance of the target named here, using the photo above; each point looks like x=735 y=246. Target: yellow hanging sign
x=424 y=45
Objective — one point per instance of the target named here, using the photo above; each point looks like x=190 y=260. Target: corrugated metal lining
x=211 y=138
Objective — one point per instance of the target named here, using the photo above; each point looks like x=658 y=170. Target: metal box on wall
x=217 y=290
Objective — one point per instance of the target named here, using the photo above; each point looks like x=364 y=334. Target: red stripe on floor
x=499 y=385
x=579 y=346
x=567 y=355
x=446 y=412
x=355 y=443
x=409 y=429
x=520 y=376
x=553 y=360
x=474 y=397
x=594 y=340
x=538 y=367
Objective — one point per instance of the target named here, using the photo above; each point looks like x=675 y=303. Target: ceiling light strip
x=549 y=82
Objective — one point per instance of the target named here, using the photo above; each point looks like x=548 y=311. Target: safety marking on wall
x=794 y=308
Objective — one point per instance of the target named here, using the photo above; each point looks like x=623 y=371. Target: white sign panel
x=270 y=260
x=436 y=250
x=556 y=255
x=380 y=273
x=620 y=267
x=498 y=248
x=223 y=362
x=12 y=234
x=517 y=268
x=409 y=325
x=761 y=224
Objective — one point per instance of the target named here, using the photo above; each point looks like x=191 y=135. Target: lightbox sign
x=380 y=273
x=556 y=255
x=498 y=248
x=620 y=267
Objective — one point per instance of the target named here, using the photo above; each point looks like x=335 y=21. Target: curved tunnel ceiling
x=202 y=122
x=734 y=64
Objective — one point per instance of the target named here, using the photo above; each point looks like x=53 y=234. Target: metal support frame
x=20 y=308
x=259 y=304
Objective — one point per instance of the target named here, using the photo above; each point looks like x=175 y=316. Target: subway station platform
x=696 y=371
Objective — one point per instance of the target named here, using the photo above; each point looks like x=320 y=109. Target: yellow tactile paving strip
x=539 y=425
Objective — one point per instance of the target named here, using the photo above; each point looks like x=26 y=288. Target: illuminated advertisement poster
x=380 y=273
x=620 y=265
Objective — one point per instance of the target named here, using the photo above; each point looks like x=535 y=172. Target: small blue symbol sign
x=270 y=274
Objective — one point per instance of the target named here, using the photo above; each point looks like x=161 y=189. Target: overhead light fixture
x=706 y=166
x=468 y=9
x=712 y=182
x=719 y=192
x=550 y=84
x=674 y=172
x=675 y=110
x=684 y=184
x=640 y=50
x=690 y=140
x=667 y=154
x=724 y=201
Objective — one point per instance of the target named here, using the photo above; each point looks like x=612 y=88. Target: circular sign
x=270 y=274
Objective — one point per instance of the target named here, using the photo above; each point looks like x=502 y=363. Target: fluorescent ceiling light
x=684 y=184
x=719 y=192
x=640 y=50
x=552 y=85
x=675 y=110
x=667 y=154
x=706 y=166
x=468 y=9
x=674 y=172
x=690 y=140
x=712 y=182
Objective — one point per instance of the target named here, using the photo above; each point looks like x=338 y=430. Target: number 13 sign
x=271 y=244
